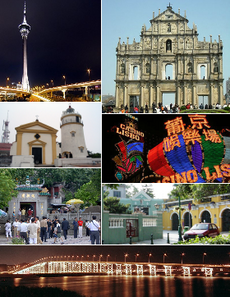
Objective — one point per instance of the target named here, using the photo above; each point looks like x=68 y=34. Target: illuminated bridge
x=49 y=266
x=85 y=85
x=19 y=92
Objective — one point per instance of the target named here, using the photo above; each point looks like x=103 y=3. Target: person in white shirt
x=8 y=229
x=16 y=223
x=32 y=228
x=38 y=231
x=94 y=228
x=23 y=231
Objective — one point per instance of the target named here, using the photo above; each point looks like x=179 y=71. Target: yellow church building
x=35 y=140
x=212 y=209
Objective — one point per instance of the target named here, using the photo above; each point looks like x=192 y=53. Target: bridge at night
x=46 y=94
x=56 y=265
x=83 y=85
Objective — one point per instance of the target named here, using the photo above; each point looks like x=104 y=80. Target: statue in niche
x=147 y=68
x=190 y=67
x=215 y=67
x=169 y=28
x=122 y=68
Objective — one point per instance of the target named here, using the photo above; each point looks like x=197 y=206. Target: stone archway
x=205 y=217
x=188 y=219
x=175 y=221
x=226 y=220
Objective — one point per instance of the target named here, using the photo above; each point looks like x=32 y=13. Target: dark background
x=13 y=255
x=65 y=39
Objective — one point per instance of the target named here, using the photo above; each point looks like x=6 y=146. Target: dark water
x=126 y=286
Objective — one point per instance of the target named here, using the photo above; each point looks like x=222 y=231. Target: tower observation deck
x=24 y=29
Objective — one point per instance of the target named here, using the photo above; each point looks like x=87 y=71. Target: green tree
x=182 y=191
x=113 y=205
x=90 y=192
x=131 y=191
x=148 y=190
x=7 y=187
x=198 y=192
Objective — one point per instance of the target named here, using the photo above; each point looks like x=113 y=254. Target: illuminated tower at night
x=24 y=29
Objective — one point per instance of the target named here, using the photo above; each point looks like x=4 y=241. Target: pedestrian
x=38 y=230
x=75 y=227
x=32 y=228
x=94 y=228
x=80 y=226
x=48 y=228
x=44 y=228
x=23 y=231
x=57 y=233
x=23 y=214
x=13 y=216
x=29 y=212
x=8 y=229
x=15 y=227
x=87 y=227
x=65 y=227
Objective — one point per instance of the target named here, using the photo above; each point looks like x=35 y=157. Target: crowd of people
x=35 y=231
x=160 y=108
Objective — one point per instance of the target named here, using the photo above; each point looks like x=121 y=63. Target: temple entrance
x=168 y=98
x=37 y=153
x=26 y=206
x=226 y=220
x=175 y=221
x=205 y=217
x=134 y=102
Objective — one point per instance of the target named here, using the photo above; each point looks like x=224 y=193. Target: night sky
x=154 y=128
x=13 y=255
x=65 y=39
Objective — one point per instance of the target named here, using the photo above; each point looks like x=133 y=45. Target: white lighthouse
x=24 y=29
x=72 y=135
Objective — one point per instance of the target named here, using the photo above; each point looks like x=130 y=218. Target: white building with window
x=36 y=144
x=169 y=60
x=72 y=134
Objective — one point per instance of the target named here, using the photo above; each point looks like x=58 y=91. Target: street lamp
x=125 y=256
x=7 y=82
x=182 y=258
x=179 y=226
x=204 y=254
x=100 y=258
x=149 y=257
x=64 y=79
x=164 y=256
x=136 y=255
x=107 y=258
x=88 y=72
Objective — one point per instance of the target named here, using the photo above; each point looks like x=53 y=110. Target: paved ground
x=70 y=241
x=173 y=238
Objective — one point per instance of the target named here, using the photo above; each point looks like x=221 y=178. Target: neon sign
x=191 y=150
x=189 y=155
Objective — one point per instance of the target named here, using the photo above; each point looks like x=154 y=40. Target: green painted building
x=144 y=222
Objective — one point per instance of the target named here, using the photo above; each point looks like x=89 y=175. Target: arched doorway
x=175 y=221
x=205 y=217
x=226 y=220
x=188 y=219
